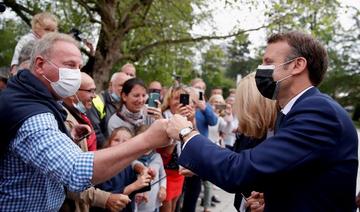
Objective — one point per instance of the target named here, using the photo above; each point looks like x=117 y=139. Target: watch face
x=185 y=131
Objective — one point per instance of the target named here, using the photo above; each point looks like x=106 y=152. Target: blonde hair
x=217 y=97
x=195 y=81
x=255 y=113
x=127 y=65
x=40 y=17
x=169 y=94
x=45 y=45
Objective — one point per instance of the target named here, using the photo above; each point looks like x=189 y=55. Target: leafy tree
x=213 y=69
x=128 y=30
x=239 y=58
x=318 y=17
x=9 y=30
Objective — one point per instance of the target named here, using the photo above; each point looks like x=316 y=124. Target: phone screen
x=201 y=95
x=184 y=99
x=152 y=98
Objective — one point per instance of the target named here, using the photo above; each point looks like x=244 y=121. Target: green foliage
x=148 y=33
x=318 y=17
x=166 y=20
x=162 y=62
x=240 y=61
x=213 y=69
x=10 y=32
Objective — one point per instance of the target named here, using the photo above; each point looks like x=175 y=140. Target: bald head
x=86 y=79
x=128 y=69
x=86 y=91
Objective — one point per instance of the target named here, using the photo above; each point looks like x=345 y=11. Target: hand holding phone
x=153 y=98
x=81 y=131
x=84 y=136
x=184 y=99
x=201 y=95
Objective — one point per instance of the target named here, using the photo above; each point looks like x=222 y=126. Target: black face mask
x=265 y=82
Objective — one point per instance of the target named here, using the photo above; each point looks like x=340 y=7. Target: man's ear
x=300 y=64
x=123 y=97
x=72 y=98
x=38 y=65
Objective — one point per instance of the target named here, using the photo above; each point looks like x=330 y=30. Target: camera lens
x=2 y=7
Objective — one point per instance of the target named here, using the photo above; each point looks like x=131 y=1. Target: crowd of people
x=275 y=141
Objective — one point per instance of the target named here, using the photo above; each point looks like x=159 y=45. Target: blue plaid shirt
x=40 y=162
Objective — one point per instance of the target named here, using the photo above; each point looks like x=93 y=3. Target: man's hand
x=186 y=172
x=90 y=46
x=256 y=202
x=157 y=132
x=117 y=202
x=142 y=181
x=79 y=132
x=154 y=112
x=188 y=112
x=201 y=105
x=150 y=171
x=176 y=123
x=142 y=197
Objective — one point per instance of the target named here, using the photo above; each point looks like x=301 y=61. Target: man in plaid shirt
x=39 y=160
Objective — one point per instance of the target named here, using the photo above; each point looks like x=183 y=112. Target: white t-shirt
x=19 y=46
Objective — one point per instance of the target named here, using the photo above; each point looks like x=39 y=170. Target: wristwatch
x=184 y=132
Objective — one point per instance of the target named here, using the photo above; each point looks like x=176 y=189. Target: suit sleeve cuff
x=189 y=139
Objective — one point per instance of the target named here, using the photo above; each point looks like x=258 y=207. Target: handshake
x=163 y=131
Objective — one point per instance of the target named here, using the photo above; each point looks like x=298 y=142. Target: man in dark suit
x=310 y=164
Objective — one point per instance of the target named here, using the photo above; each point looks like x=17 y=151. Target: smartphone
x=220 y=107
x=201 y=95
x=141 y=190
x=184 y=99
x=154 y=90
x=152 y=98
x=87 y=134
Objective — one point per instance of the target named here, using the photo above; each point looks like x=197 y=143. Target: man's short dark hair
x=306 y=46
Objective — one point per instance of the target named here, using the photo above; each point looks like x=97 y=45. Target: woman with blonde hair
x=256 y=115
x=170 y=154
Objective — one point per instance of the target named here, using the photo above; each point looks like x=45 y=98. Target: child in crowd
x=126 y=181
x=157 y=194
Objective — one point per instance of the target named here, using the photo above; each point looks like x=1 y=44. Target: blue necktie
x=279 y=118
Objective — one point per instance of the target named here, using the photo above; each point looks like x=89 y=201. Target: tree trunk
x=107 y=54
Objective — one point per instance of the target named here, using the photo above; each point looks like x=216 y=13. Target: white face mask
x=68 y=83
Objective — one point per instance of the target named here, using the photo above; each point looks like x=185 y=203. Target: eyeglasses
x=92 y=91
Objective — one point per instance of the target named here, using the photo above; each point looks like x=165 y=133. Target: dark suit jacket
x=309 y=165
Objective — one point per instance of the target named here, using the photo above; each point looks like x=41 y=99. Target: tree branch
x=127 y=22
x=88 y=10
x=19 y=10
x=140 y=51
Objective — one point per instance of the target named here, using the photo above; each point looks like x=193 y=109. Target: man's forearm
x=108 y=162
